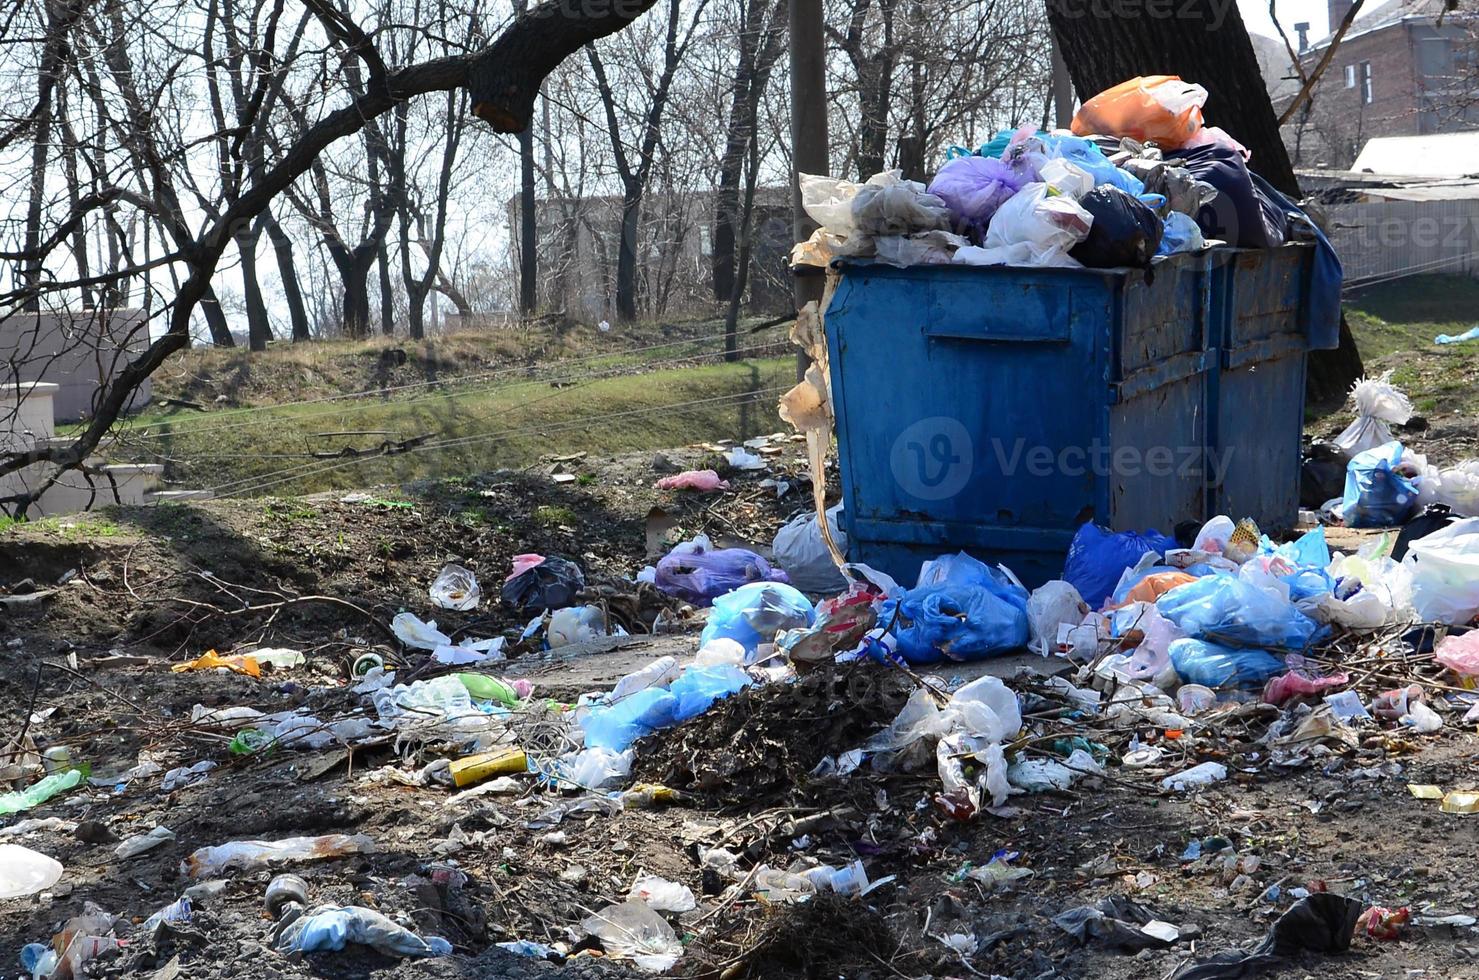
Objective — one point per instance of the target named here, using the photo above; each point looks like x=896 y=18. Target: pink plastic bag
x=522 y=563
x=1460 y=654
x=1294 y=685
x=704 y=481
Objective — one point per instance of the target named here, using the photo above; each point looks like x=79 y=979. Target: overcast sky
x=1291 y=12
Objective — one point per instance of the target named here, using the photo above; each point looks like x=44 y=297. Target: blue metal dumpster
x=995 y=409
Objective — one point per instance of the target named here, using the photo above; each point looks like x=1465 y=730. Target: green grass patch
x=86 y=526
x=294 y=449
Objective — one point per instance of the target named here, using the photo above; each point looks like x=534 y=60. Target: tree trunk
x=282 y=247
x=215 y=319
x=259 y=330
x=356 y=276
x=387 y=295
x=1205 y=43
x=528 y=232
x=626 y=255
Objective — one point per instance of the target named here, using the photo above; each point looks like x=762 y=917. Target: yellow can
x=505 y=761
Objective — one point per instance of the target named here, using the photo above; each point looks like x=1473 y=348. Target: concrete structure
x=76 y=352
x=1452 y=155
x=27 y=423
x=1405 y=68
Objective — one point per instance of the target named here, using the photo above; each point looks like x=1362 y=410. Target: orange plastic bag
x=1159 y=108
x=1152 y=587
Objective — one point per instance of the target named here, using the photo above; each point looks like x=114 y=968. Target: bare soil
x=160 y=585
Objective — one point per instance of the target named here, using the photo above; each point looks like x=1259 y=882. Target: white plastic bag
x=1378 y=402
x=26 y=872
x=801 y=552
x=1445 y=573
x=1032 y=228
x=1457 y=486
x=633 y=931
x=456 y=588
x=1049 y=606
x=662 y=895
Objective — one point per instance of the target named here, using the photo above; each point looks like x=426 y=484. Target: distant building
x=1405 y=68
x=578 y=241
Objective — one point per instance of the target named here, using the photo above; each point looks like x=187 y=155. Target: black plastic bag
x=552 y=584
x=1319 y=923
x=1241 y=214
x=1125 y=231
x=1434 y=518
x=1322 y=474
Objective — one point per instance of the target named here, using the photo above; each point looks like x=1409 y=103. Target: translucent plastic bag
x=753 y=614
x=251 y=855
x=1032 y=228
x=974 y=187
x=698 y=572
x=799 y=549
x=1225 y=609
x=1097 y=557
x=699 y=687
x=331 y=928
x=456 y=588
x=1200 y=662
x=1087 y=156
x=616 y=726
x=1159 y=108
x=1378 y=402
x=1460 y=654
x=1376 y=495
x=1457 y=487
x=634 y=931
x=1049 y=606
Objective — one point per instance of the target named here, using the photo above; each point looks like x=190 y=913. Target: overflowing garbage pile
x=1138 y=177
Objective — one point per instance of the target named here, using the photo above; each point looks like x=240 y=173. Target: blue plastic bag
x=1097 y=557
x=753 y=614
x=1310 y=549
x=697 y=572
x=961 y=610
x=1181 y=234
x=1225 y=609
x=699 y=687
x=1376 y=495
x=1200 y=662
x=616 y=726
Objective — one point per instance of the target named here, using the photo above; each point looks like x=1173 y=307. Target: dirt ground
x=89 y=664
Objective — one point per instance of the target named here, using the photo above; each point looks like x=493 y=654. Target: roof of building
x=1437 y=155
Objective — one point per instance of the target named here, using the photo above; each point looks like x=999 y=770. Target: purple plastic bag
x=697 y=572
x=974 y=187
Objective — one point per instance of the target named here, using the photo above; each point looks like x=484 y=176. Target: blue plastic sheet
x=699 y=687
x=1097 y=558
x=1376 y=495
x=1200 y=662
x=616 y=726
x=961 y=610
x=1225 y=609
x=755 y=613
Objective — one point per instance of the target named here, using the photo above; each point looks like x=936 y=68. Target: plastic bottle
x=283 y=891
x=249 y=855
x=39 y=792
x=481 y=687
x=505 y=761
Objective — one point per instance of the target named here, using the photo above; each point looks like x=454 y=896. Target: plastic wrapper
x=1097 y=557
x=456 y=588
x=1124 y=233
x=1228 y=610
x=550 y=584
x=1376 y=493
x=697 y=572
x=799 y=549
x=921 y=248
x=1149 y=108
x=252 y=855
x=974 y=187
x=1032 y=228
x=1379 y=405
x=753 y=614
x=635 y=932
